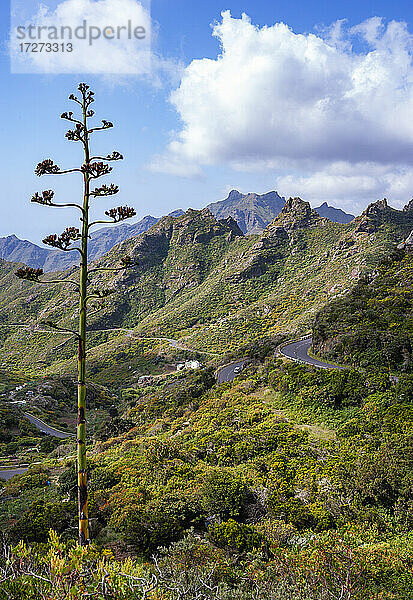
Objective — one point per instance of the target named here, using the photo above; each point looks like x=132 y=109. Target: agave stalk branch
x=91 y=169
x=81 y=390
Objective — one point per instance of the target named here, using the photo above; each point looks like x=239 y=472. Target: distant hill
x=334 y=214
x=13 y=249
x=252 y=212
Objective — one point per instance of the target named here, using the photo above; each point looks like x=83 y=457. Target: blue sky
x=153 y=177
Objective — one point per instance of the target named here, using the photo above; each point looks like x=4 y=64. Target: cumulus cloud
x=115 y=48
x=274 y=99
x=350 y=186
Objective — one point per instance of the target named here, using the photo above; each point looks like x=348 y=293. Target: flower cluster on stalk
x=45 y=198
x=47 y=167
x=120 y=213
x=76 y=134
x=29 y=273
x=105 y=190
x=96 y=169
x=64 y=240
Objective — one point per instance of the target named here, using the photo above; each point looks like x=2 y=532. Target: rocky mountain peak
x=372 y=217
x=408 y=207
x=234 y=195
x=252 y=211
x=297 y=214
x=376 y=207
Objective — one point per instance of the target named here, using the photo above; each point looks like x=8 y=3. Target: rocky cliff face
x=296 y=214
x=380 y=213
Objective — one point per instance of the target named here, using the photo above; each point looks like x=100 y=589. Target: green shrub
x=236 y=536
x=222 y=494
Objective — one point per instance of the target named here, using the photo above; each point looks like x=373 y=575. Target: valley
x=271 y=438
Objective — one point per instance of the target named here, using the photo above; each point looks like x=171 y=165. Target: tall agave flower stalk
x=75 y=239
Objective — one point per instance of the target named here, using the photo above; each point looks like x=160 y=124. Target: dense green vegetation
x=372 y=326
x=288 y=483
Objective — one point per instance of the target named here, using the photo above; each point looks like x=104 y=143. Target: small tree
x=93 y=168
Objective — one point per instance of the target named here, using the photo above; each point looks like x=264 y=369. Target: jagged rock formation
x=374 y=216
x=297 y=214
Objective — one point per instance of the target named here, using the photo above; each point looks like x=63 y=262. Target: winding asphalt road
x=9 y=473
x=229 y=372
x=298 y=351
x=44 y=428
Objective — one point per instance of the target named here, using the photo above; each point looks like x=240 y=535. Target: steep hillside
x=252 y=212
x=372 y=326
x=13 y=249
x=201 y=281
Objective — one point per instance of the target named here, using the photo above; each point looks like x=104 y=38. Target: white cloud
x=350 y=186
x=274 y=99
x=117 y=50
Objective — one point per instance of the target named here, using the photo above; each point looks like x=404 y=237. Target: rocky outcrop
x=296 y=214
x=407 y=245
x=371 y=219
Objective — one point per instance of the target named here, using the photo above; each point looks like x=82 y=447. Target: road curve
x=298 y=351
x=9 y=473
x=44 y=428
x=229 y=372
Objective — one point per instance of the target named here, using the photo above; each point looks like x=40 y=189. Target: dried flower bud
x=120 y=213
x=90 y=113
x=29 y=273
x=105 y=190
x=47 y=167
x=115 y=156
x=107 y=124
x=83 y=87
x=46 y=197
x=75 y=135
x=96 y=169
x=63 y=241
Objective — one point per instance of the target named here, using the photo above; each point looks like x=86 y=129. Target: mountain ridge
x=253 y=212
x=201 y=281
